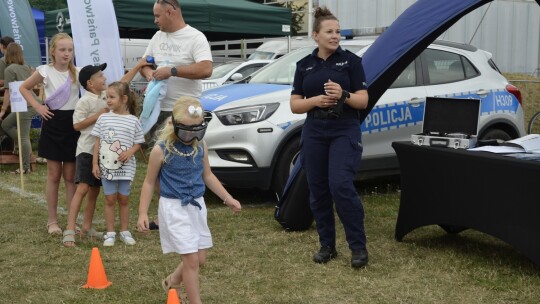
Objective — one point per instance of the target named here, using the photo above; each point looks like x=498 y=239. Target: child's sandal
x=69 y=238
x=92 y=234
x=166 y=284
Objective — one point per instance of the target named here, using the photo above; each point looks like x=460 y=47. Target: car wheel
x=284 y=165
x=495 y=134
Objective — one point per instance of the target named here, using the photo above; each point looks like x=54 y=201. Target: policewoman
x=329 y=85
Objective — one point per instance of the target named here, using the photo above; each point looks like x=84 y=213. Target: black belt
x=318 y=113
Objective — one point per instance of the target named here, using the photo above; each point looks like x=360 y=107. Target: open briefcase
x=449 y=122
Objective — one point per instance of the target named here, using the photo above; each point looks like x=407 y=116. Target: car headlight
x=246 y=115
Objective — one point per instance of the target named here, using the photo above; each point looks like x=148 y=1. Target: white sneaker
x=110 y=238
x=125 y=236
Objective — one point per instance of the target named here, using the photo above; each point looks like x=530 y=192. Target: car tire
x=495 y=134
x=284 y=164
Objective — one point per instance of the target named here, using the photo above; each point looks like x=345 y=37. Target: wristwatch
x=174 y=72
x=344 y=95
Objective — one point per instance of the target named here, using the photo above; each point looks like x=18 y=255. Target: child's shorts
x=183 y=229
x=83 y=171
x=122 y=187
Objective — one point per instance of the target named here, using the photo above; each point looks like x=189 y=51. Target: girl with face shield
x=179 y=163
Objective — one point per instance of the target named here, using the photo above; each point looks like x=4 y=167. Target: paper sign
x=18 y=103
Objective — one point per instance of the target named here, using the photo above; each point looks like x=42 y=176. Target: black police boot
x=359 y=258
x=325 y=254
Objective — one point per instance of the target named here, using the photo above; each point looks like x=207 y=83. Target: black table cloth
x=459 y=189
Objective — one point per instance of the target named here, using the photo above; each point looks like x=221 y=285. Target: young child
x=118 y=136
x=58 y=139
x=91 y=105
x=180 y=161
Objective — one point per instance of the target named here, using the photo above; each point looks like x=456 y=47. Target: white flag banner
x=95 y=36
x=18 y=103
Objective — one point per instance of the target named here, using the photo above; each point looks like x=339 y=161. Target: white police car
x=254 y=137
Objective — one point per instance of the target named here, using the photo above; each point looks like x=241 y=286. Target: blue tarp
x=39 y=16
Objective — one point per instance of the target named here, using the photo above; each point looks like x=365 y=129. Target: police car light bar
x=365 y=31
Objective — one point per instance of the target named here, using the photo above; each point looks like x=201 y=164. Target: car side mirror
x=236 y=76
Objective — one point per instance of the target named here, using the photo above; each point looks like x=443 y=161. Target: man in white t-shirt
x=182 y=54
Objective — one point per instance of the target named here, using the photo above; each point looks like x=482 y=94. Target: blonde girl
x=58 y=139
x=180 y=161
x=118 y=136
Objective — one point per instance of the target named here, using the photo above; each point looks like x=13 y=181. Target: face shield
x=188 y=133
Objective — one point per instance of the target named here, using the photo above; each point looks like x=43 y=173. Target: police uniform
x=332 y=146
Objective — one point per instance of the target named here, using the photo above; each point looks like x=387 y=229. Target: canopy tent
x=413 y=30
x=39 y=16
x=218 y=19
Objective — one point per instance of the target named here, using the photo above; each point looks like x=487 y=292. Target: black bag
x=293 y=211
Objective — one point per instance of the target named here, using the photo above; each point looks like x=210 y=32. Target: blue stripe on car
x=400 y=114
x=214 y=98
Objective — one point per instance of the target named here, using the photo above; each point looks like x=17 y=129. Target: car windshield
x=222 y=70
x=260 y=55
x=282 y=70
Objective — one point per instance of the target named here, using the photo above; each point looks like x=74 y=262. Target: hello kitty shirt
x=117 y=133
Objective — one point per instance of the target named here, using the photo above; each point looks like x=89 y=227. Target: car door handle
x=415 y=101
x=482 y=93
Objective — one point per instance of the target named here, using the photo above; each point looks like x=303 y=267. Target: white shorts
x=183 y=229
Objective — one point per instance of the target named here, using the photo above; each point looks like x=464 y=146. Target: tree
x=298 y=13
x=48 y=5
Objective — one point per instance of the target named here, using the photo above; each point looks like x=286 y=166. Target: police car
x=232 y=71
x=254 y=137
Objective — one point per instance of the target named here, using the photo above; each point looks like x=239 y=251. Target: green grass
x=255 y=261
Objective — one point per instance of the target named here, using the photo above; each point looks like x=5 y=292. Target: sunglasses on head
x=167 y=2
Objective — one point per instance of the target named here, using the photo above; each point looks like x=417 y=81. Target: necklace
x=182 y=153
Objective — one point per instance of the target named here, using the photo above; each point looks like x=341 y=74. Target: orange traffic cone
x=173 y=297
x=97 y=278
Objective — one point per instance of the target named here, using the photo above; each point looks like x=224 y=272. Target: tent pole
x=46 y=50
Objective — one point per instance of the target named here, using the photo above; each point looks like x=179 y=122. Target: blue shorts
x=116 y=186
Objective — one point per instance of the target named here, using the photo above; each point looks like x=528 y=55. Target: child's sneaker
x=125 y=236
x=110 y=238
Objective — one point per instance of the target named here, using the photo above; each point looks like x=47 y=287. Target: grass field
x=255 y=261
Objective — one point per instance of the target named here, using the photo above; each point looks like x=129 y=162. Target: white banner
x=96 y=37
x=18 y=103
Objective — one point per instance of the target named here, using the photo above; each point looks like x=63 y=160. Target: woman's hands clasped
x=332 y=94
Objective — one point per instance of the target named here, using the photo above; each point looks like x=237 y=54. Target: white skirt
x=183 y=229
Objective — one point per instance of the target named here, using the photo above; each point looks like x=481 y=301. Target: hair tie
x=192 y=110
